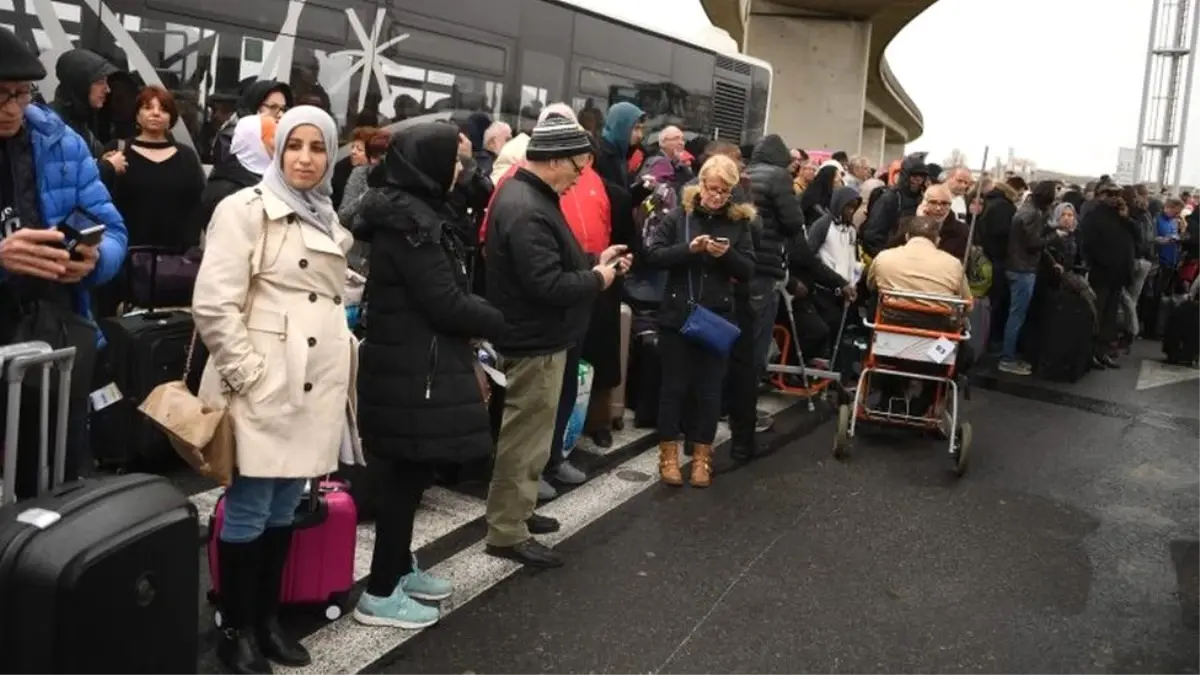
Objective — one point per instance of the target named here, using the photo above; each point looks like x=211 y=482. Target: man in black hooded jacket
x=896 y=203
x=81 y=93
x=782 y=220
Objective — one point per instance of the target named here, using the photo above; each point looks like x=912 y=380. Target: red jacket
x=585 y=206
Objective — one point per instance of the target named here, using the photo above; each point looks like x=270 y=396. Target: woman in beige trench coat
x=268 y=305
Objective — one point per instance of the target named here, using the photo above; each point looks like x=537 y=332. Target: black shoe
x=238 y=651
x=240 y=565
x=539 y=524
x=530 y=552
x=742 y=452
x=274 y=642
x=603 y=438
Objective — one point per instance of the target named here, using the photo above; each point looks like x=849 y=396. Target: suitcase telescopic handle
x=64 y=360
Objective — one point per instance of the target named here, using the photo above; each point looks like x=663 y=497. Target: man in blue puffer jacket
x=48 y=178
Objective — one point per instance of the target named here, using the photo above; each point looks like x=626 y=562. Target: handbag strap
x=687 y=240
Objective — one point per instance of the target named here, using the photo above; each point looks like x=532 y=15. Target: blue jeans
x=566 y=405
x=1020 y=289
x=254 y=504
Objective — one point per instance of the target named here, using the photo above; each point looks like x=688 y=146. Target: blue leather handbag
x=704 y=326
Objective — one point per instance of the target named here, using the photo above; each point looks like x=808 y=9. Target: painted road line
x=345 y=646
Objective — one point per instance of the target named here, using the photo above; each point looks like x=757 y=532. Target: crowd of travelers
x=661 y=265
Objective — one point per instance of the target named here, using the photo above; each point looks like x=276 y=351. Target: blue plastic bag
x=578 y=416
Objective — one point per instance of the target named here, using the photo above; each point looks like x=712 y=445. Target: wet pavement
x=1069 y=546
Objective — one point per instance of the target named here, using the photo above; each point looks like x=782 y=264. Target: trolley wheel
x=841 y=438
x=618 y=424
x=217 y=618
x=962 y=449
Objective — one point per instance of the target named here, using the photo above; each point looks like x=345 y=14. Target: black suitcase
x=1181 y=336
x=1066 y=338
x=144 y=350
x=98 y=575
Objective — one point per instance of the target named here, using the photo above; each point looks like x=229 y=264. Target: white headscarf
x=313 y=206
x=247 y=145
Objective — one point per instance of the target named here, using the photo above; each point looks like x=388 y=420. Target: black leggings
x=398 y=486
x=689 y=371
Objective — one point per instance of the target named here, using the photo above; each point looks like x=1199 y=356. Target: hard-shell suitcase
x=320 y=565
x=98 y=575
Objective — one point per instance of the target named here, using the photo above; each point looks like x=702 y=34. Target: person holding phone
x=48 y=177
x=704 y=244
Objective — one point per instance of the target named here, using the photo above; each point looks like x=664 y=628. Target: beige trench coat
x=268 y=305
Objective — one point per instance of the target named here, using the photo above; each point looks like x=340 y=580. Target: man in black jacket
x=544 y=283
x=782 y=219
x=1107 y=241
x=1027 y=242
x=82 y=91
x=896 y=203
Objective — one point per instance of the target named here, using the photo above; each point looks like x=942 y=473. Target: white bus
x=402 y=59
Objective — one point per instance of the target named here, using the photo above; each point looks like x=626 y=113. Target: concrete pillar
x=892 y=151
x=874 y=140
x=820 y=81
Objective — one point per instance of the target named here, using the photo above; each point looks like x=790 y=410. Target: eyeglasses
x=717 y=191
x=275 y=108
x=937 y=202
x=21 y=96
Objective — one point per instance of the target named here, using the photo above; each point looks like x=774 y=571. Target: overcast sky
x=1059 y=81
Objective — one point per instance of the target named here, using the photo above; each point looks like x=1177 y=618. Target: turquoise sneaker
x=424 y=586
x=397 y=610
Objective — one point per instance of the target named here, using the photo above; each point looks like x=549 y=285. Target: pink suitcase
x=320 y=566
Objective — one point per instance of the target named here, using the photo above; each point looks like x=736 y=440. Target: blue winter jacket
x=67 y=177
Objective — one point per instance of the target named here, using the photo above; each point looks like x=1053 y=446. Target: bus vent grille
x=732 y=65
x=729 y=110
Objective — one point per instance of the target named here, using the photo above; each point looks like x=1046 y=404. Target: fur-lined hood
x=1005 y=189
x=733 y=210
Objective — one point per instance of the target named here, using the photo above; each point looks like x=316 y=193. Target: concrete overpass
x=833 y=88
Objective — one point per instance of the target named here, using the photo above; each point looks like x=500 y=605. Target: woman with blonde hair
x=705 y=246
x=268 y=305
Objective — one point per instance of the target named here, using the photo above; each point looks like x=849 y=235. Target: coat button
x=291 y=219
x=303 y=263
x=312 y=297
x=337 y=299
x=312 y=342
x=308 y=386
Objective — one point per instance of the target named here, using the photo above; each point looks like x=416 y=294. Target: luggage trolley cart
x=913 y=337
x=814 y=381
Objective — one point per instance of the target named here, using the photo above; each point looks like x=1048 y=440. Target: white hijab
x=247 y=145
x=313 y=206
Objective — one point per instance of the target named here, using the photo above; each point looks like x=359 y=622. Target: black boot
x=276 y=645
x=240 y=565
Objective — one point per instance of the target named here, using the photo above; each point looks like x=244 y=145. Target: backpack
x=644 y=288
x=979 y=272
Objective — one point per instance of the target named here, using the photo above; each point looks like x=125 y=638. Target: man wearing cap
x=544 y=283
x=48 y=178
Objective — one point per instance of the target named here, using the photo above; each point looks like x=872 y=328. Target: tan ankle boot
x=701 y=465
x=668 y=463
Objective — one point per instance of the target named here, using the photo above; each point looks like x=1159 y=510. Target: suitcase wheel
x=217 y=618
x=618 y=424
x=335 y=607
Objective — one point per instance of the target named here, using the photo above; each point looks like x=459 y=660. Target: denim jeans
x=1020 y=285
x=254 y=504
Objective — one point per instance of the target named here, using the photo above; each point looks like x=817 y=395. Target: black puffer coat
x=418 y=398
x=777 y=202
x=699 y=277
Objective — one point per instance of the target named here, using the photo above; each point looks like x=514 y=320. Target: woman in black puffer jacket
x=705 y=245
x=419 y=402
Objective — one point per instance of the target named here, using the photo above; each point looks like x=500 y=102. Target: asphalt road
x=1070 y=546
